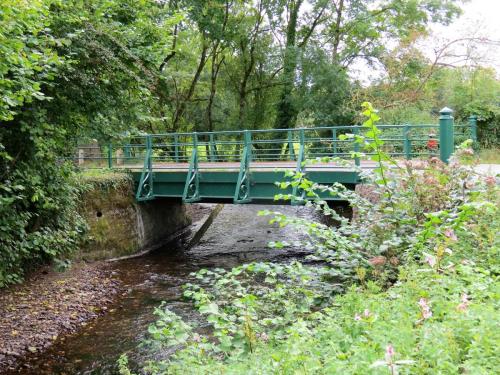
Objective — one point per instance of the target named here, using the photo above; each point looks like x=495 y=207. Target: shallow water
x=236 y=236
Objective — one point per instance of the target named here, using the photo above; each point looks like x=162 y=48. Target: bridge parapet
x=239 y=163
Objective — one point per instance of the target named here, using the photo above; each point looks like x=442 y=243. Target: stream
x=236 y=236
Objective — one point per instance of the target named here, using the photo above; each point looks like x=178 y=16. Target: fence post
x=334 y=140
x=176 y=148
x=248 y=144
x=149 y=150
x=473 y=130
x=290 y=145
x=446 y=141
x=407 y=141
x=110 y=156
x=357 y=160
x=212 y=148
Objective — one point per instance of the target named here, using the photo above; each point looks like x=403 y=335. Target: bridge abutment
x=120 y=226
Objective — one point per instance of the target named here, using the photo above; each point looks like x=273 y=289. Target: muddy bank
x=51 y=304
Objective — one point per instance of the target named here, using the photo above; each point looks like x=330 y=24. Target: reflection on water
x=236 y=236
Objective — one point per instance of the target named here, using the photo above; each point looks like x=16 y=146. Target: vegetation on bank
x=39 y=224
x=410 y=286
x=74 y=71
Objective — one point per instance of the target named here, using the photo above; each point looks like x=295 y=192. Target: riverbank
x=49 y=305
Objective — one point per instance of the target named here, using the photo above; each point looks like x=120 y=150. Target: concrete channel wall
x=119 y=226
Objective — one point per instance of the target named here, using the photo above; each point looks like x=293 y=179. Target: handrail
x=193 y=152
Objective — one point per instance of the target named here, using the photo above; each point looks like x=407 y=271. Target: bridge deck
x=254 y=166
x=228 y=182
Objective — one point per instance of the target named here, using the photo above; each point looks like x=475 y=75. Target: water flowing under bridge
x=244 y=166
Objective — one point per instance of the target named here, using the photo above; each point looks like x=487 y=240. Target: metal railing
x=243 y=150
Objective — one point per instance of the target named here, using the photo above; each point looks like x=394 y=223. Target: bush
x=38 y=218
x=407 y=287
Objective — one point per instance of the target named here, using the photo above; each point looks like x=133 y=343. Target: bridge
x=244 y=166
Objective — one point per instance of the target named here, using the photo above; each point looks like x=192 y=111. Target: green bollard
x=446 y=139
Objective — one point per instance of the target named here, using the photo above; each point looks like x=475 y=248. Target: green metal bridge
x=243 y=166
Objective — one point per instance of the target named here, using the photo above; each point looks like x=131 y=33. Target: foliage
x=91 y=179
x=38 y=218
x=408 y=286
x=73 y=71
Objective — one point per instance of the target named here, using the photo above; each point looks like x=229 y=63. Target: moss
x=109 y=208
x=117 y=224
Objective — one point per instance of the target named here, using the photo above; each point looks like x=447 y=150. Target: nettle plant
x=413 y=214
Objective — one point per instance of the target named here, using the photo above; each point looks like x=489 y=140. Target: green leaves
x=28 y=55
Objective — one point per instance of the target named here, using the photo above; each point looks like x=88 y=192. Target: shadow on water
x=236 y=236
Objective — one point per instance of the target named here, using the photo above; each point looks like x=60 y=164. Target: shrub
x=408 y=287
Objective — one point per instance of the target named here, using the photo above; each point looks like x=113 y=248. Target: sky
x=480 y=18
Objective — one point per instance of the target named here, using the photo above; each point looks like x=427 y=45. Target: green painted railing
x=240 y=149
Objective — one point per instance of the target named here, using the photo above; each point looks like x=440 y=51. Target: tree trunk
x=181 y=108
x=286 y=111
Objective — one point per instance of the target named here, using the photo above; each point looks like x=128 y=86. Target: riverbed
x=236 y=236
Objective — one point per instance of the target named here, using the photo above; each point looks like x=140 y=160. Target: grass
x=104 y=177
x=489 y=156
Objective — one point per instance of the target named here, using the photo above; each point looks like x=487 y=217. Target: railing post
x=300 y=159
x=248 y=144
x=290 y=145
x=407 y=141
x=334 y=140
x=145 y=190
x=195 y=142
x=446 y=136
x=126 y=151
x=192 y=186
x=242 y=191
x=149 y=150
x=473 y=130
x=357 y=160
x=301 y=156
x=110 y=156
x=212 y=149
x=176 y=148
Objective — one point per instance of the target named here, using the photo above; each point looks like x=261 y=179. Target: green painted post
x=334 y=138
x=126 y=151
x=302 y=144
x=248 y=145
x=149 y=151
x=446 y=141
x=176 y=148
x=357 y=160
x=473 y=130
x=407 y=141
x=213 y=152
x=195 y=141
x=110 y=156
x=290 y=145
